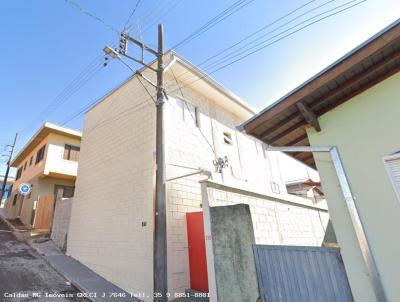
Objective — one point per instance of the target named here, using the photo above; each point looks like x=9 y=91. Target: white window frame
x=385 y=159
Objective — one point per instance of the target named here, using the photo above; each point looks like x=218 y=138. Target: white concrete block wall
x=250 y=167
x=113 y=194
x=114 y=185
x=62 y=215
x=276 y=221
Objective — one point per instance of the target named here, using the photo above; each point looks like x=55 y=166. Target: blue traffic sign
x=24 y=188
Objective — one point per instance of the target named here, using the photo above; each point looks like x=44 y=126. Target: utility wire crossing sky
x=258 y=49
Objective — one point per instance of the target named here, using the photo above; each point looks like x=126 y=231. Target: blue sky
x=47 y=43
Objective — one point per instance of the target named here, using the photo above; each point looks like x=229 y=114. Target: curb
x=20 y=235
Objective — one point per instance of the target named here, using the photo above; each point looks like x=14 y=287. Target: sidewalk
x=83 y=278
x=80 y=276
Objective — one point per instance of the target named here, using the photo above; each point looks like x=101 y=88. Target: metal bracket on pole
x=352 y=208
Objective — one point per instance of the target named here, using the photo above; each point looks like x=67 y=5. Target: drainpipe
x=352 y=208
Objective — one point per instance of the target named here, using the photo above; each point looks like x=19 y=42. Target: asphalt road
x=23 y=273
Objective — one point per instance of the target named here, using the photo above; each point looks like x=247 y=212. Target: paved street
x=23 y=272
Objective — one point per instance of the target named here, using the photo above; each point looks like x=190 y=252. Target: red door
x=197 y=252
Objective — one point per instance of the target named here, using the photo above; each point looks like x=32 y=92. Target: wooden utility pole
x=3 y=187
x=160 y=219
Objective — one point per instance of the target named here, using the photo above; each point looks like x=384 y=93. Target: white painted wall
x=113 y=195
x=54 y=161
x=250 y=167
x=115 y=180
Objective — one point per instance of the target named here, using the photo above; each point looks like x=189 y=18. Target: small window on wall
x=392 y=165
x=40 y=154
x=19 y=173
x=30 y=161
x=71 y=152
x=15 y=199
x=68 y=192
x=275 y=187
x=228 y=138
x=25 y=165
x=190 y=113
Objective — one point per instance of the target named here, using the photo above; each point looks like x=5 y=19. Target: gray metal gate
x=301 y=274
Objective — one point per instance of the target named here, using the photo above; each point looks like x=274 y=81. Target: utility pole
x=3 y=187
x=160 y=219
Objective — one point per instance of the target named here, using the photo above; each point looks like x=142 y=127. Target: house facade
x=48 y=162
x=353 y=105
x=8 y=186
x=111 y=227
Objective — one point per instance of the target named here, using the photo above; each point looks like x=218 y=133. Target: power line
x=163 y=15
x=89 y=105
x=207 y=75
x=247 y=47
x=193 y=117
x=269 y=25
x=132 y=13
x=78 y=82
x=283 y=37
x=85 y=12
x=235 y=7
x=258 y=31
x=151 y=10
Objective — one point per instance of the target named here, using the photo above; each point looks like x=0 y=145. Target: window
x=190 y=114
x=275 y=187
x=392 y=165
x=15 y=199
x=19 y=173
x=71 y=152
x=40 y=154
x=30 y=161
x=187 y=111
x=228 y=138
x=25 y=165
x=68 y=192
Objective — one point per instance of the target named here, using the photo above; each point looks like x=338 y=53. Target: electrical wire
x=163 y=15
x=131 y=15
x=235 y=7
x=248 y=46
x=260 y=30
x=145 y=16
x=91 y=104
x=118 y=116
x=85 y=12
x=78 y=82
x=209 y=73
x=269 y=25
x=194 y=118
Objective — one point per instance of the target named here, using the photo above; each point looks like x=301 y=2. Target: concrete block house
x=48 y=162
x=111 y=227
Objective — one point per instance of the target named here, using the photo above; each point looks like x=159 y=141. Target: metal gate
x=301 y=274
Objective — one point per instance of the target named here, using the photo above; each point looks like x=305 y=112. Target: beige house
x=353 y=107
x=49 y=161
x=111 y=227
